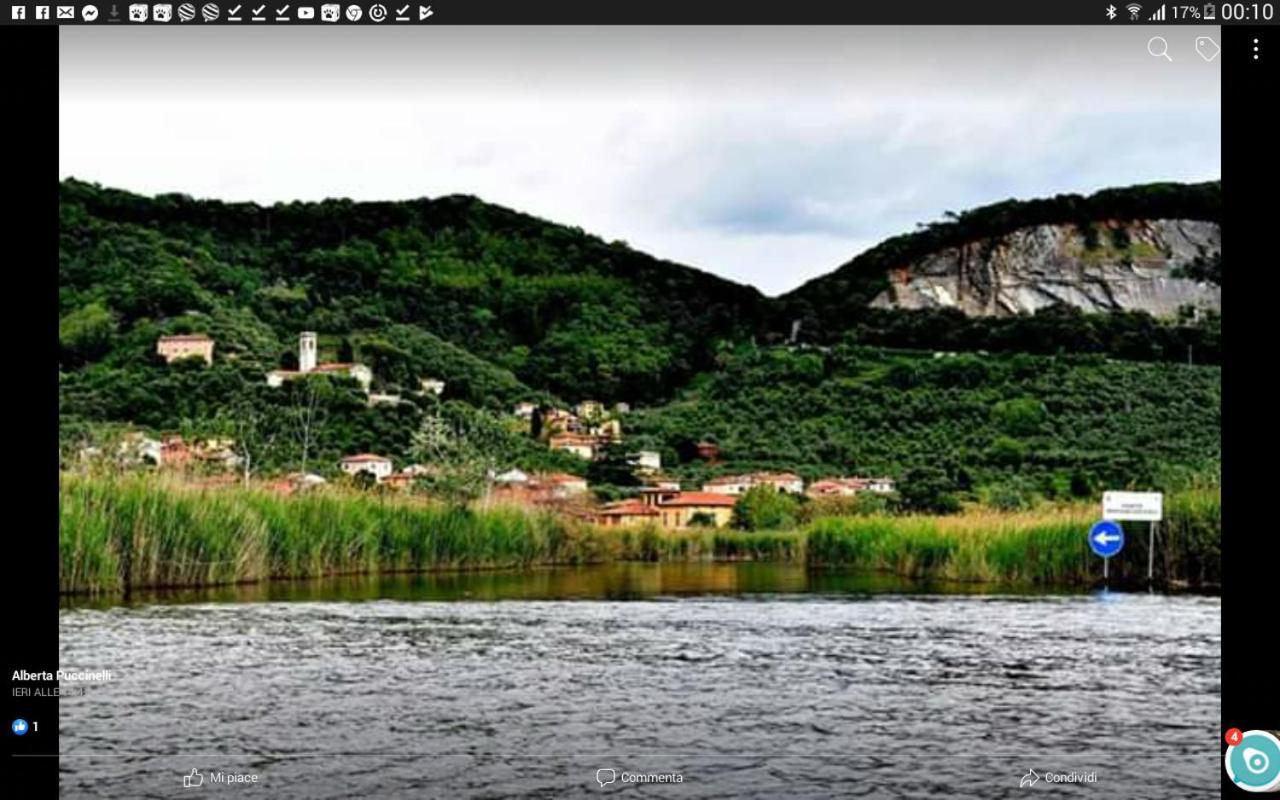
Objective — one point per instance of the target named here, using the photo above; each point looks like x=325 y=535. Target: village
x=586 y=431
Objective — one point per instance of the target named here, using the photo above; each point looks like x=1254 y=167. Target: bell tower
x=307 y=351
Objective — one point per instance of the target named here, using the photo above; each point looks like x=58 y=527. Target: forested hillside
x=507 y=308
x=556 y=308
x=1007 y=426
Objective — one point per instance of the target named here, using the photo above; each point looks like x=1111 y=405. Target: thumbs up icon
x=193 y=781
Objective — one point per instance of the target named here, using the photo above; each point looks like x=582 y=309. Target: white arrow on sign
x=1103 y=538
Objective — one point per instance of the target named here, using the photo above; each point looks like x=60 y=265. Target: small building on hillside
x=589 y=409
x=430 y=386
x=609 y=430
x=728 y=485
x=836 y=487
x=138 y=448
x=297 y=482
x=688 y=507
x=881 y=485
x=175 y=453
x=558 y=420
x=646 y=461
x=707 y=451
x=524 y=410
x=186 y=345
x=787 y=482
x=398 y=480
x=307 y=365
x=512 y=477
x=576 y=443
x=378 y=466
x=626 y=512
x=561 y=485
x=378 y=399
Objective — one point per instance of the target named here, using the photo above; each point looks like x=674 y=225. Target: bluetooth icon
x=1111 y=12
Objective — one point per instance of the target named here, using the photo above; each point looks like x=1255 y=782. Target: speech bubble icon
x=604 y=777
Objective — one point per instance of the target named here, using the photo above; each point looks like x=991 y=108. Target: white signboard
x=1133 y=506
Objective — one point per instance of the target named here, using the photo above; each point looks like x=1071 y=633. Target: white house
x=647 y=461
x=880 y=485
x=431 y=386
x=376 y=399
x=581 y=446
x=524 y=410
x=377 y=466
x=589 y=409
x=728 y=484
x=307 y=365
x=512 y=476
x=786 y=482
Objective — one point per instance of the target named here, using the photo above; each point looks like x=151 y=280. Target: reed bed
x=119 y=533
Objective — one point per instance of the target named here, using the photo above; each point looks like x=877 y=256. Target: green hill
x=558 y=309
x=1012 y=425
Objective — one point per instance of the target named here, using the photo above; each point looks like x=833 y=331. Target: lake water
x=747 y=680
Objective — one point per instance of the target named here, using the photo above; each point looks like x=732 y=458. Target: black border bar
x=400 y=13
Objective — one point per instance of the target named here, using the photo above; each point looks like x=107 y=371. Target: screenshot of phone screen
x=498 y=401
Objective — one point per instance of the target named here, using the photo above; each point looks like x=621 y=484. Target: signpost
x=1106 y=538
x=1133 y=507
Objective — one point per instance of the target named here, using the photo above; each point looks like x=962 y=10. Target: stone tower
x=307 y=351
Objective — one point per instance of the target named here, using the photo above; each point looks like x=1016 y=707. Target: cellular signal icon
x=1157 y=15
x=1134 y=10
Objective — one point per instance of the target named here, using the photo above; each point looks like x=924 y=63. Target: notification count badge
x=1253 y=760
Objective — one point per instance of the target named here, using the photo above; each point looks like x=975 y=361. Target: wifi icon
x=1134 y=11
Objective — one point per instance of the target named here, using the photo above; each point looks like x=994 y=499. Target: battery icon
x=1210 y=11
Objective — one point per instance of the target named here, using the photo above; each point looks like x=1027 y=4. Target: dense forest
x=1008 y=428
x=505 y=307
x=554 y=307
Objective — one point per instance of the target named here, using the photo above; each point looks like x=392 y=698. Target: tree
x=86 y=333
x=764 y=508
x=464 y=447
x=613 y=467
x=255 y=431
x=306 y=415
x=927 y=490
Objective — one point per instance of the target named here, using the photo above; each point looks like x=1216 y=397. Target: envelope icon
x=66 y=12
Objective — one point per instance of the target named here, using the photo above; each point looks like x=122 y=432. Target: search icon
x=1159 y=47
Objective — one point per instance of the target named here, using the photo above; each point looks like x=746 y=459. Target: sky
x=765 y=155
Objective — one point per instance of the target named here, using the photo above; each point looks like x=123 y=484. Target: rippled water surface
x=748 y=680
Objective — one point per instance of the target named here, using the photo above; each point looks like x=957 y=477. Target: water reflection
x=622 y=581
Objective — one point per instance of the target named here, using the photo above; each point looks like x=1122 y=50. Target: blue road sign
x=1106 y=538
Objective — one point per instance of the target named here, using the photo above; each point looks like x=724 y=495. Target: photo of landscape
x=723 y=411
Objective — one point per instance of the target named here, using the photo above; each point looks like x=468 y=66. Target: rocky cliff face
x=1131 y=265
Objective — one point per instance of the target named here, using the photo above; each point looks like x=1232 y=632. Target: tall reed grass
x=124 y=532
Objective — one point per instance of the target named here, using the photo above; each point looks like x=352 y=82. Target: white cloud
x=767 y=156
